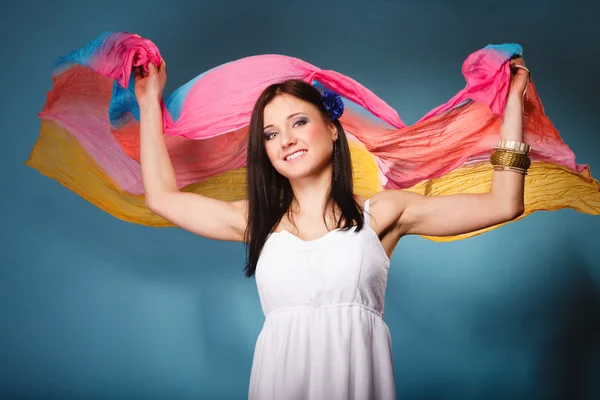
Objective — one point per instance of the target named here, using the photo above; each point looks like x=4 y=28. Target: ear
x=333 y=131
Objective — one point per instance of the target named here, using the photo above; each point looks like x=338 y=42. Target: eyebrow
x=289 y=117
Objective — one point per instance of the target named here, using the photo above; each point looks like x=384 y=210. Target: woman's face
x=298 y=141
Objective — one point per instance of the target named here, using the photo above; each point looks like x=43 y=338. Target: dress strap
x=366 y=212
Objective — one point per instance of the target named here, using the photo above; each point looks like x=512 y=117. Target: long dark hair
x=270 y=194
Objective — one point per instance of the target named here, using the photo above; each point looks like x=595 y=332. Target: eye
x=269 y=135
x=300 y=122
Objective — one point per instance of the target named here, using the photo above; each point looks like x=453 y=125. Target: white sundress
x=324 y=337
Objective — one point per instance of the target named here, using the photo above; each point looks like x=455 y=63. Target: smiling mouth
x=297 y=154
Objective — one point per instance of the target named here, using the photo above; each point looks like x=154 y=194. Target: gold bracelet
x=511 y=145
x=510 y=159
x=505 y=168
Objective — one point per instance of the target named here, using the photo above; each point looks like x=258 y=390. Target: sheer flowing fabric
x=89 y=137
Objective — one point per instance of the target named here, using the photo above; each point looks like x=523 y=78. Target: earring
x=336 y=162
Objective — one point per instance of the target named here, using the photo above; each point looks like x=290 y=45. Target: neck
x=311 y=194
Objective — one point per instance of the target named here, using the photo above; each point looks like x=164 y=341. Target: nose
x=287 y=138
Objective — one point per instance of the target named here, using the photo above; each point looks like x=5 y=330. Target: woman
x=321 y=254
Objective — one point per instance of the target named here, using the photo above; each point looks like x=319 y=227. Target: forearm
x=157 y=170
x=508 y=186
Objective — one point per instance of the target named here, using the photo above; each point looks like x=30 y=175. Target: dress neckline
x=366 y=227
x=285 y=231
x=367 y=221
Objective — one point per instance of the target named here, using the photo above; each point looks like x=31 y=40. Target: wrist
x=516 y=96
x=148 y=103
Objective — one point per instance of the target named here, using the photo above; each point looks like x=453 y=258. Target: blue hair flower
x=333 y=104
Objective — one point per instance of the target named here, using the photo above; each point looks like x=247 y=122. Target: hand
x=519 y=78
x=150 y=85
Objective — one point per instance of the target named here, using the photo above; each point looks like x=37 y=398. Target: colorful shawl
x=89 y=139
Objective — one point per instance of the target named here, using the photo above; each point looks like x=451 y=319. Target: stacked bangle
x=511 y=156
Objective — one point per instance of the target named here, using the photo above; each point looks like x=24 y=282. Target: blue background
x=93 y=307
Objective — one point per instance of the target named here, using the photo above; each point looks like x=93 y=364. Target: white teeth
x=295 y=155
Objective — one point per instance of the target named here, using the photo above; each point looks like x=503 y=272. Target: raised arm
x=411 y=213
x=199 y=214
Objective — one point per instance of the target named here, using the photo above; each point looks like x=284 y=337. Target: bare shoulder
x=360 y=199
x=385 y=208
x=241 y=206
x=240 y=209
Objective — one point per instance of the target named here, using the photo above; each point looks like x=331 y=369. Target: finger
x=152 y=67
x=519 y=61
x=515 y=68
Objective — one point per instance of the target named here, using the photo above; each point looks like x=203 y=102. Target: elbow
x=152 y=202
x=508 y=207
x=515 y=211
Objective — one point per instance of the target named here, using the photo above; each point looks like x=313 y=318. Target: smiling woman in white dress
x=320 y=254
